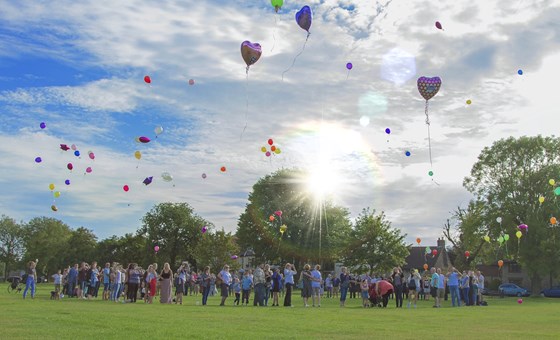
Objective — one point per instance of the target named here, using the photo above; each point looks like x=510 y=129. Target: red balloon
x=148 y=80
x=125 y=187
x=467 y=254
x=69 y=166
x=223 y=169
x=191 y=82
x=434 y=252
x=270 y=142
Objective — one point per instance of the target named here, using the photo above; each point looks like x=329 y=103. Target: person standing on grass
x=57 y=278
x=434 y=283
x=364 y=286
x=236 y=290
x=135 y=277
x=441 y=286
x=106 y=281
x=246 y=285
x=93 y=279
x=205 y=284
x=344 y=285
x=480 y=279
x=336 y=285
x=453 y=277
x=398 y=280
x=31 y=279
x=259 y=281
x=276 y=281
x=307 y=289
x=151 y=282
x=267 y=283
x=72 y=280
x=225 y=277
x=82 y=280
x=181 y=282
x=329 y=286
x=166 y=284
x=474 y=301
x=465 y=289
x=413 y=287
x=316 y=285
x=289 y=272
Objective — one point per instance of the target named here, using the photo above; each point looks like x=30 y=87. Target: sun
x=322 y=181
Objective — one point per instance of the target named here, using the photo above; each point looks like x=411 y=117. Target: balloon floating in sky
x=125 y=188
x=77 y=153
x=69 y=166
x=158 y=130
x=56 y=194
x=469 y=102
x=91 y=155
x=418 y=240
x=38 y=160
x=430 y=173
x=204 y=176
x=143 y=139
x=520 y=72
x=64 y=147
x=428 y=87
x=438 y=25
x=349 y=66
x=147 y=79
x=407 y=153
x=89 y=170
x=54 y=208
x=137 y=155
x=270 y=141
x=166 y=176
x=277 y=4
x=148 y=180
x=42 y=125
x=67 y=182
x=191 y=82
x=73 y=147
x=223 y=169
x=304 y=18
x=388 y=131
x=250 y=52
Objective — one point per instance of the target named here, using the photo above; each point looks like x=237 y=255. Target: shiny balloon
x=148 y=180
x=73 y=147
x=148 y=80
x=67 y=182
x=270 y=141
x=520 y=72
x=89 y=169
x=418 y=240
x=191 y=82
x=434 y=252
x=428 y=87
x=156 y=249
x=277 y=4
x=250 y=52
x=158 y=130
x=388 y=131
x=137 y=155
x=223 y=169
x=304 y=17
x=91 y=155
x=64 y=147
x=42 y=125
x=268 y=154
x=407 y=154
x=166 y=176
x=125 y=188
x=438 y=25
x=54 y=208
x=38 y=160
x=349 y=66
x=77 y=153
x=204 y=176
x=143 y=139
x=70 y=166
x=553 y=220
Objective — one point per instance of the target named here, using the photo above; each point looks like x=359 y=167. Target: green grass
x=71 y=318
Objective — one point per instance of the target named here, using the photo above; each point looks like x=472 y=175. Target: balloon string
x=429 y=136
x=274 y=31
x=348 y=75
x=300 y=52
x=246 y=101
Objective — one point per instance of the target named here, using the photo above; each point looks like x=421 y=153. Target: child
x=237 y=290
x=365 y=293
x=57 y=283
x=246 y=286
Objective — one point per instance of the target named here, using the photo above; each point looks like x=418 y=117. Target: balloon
x=277 y=4
x=51 y=186
x=91 y=155
x=349 y=66
x=148 y=80
x=273 y=148
x=304 y=17
x=271 y=218
x=166 y=176
x=77 y=153
x=278 y=213
x=557 y=191
x=523 y=227
x=64 y=147
x=519 y=301
x=158 y=130
x=418 y=240
x=430 y=173
x=250 y=52
x=38 y=160
x=486 y=238
x=501 y=239
x=223 y=169
x=263 y=149
x=204 y=229
x=518 y=234
x=147 y=180
x=204 y=176
x=551 y=182
x=70 y=166
x=428 y=250
x=553 y=220
x=234 y=257
x=388 y=131
x=469 y=102
x=434 y=252
x=42 y=125
x=541 y=199
x=143 y=139
x=125 y=188
x=506 y=237
x=156 y=248
x=270 y=141
x=428 y=87
x=283 y=228
x=268 y=154
x=137 y=139
x=407 y=153
x=520 y=72
x=54 y=208
x=89 y=169
x=137 y=155
x=67 y=182
x=191 y=82
x=438 y=25
x=278 y=151
x=425 y=266
x=467 y=254
x=56 y=194
x=500 y=263
x=499 y=219
x=73 y=147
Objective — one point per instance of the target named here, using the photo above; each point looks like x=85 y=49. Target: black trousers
x=288 y=296
x=132 y=291
x=386 y=298
x=398 y=296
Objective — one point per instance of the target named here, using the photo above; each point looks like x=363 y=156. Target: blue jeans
x=454 y=290
x=30 y=283
x=343 y=292
x=116 y=289
x=205 y=292
x=466 y=295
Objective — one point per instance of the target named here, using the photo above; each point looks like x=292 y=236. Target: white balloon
x=158 y=130
x=166 y=176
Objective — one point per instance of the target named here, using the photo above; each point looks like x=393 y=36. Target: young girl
x=246 y=286
x=237 y=290
x=151 y=280
x=57 y=282
x=276 y=279
x=365 y=293
x=413 y=287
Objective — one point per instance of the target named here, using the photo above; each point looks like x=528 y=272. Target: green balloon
x=500 y=239
x=277 y=4
x=506 y=237
x=557 y=191
x=430 y=173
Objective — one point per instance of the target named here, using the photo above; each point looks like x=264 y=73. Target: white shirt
x=481 y=281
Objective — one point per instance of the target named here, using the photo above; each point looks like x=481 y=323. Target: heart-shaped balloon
x=428 y=87
x=251 y=52
x=304 y=18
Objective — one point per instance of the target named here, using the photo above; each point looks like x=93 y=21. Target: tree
x=216 y=249
x=509 y=178
x=175 y=229
x=315 y=229
x=11 y=243
x=81 y=246
x=373 y=245
x=46 y=239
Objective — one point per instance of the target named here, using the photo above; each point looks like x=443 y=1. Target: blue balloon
x=388 y=131
x=520 y=72
x=38 y=160
x=77 y=153
x=304 y=18
x=67 y=182
x=407 y=154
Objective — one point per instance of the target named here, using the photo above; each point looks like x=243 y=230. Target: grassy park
x=43 y=318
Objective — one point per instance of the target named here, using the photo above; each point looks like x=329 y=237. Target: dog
x=53 y=295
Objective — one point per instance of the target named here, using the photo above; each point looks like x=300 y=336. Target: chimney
x=441 y=243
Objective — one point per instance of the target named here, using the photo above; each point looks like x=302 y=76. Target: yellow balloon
x=551 y=182
x=486 y=238
x=51 y=186
x=541 y=199
x=57 y=194
x=518 y=234
x=138 y=155
x=277 y=151
x=263 y=149
x=469 y=102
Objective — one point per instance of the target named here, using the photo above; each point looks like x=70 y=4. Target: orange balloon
x=271 y=218
x=425 y=266
x=500 y=263
x=223 y=169
x=418 y=240
x=273 y=148
x=553 y=220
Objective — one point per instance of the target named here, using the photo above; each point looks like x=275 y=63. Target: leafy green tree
x=82 y=244
x=176 y=229
x=315 y=230
x=11 y=243
x=46 y=239
x=216 y=249
x=373 y=245
x=509 y=178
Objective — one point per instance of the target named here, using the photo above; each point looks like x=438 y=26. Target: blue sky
x=79 y=67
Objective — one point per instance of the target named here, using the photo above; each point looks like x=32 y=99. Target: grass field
x=535 y=318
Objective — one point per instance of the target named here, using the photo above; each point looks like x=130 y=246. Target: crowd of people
x=265 y=282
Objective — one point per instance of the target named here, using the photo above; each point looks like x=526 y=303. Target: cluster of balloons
x=273 y=149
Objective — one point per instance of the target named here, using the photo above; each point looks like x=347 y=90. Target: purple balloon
x=42 y=125
x=388 y=131
x=144 y=139
x=304 y=18
x=349 y=66
x=67 y=182
x=38 y=160
x=148 y=180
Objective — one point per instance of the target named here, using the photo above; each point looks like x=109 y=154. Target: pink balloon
x=268 y=154
x=156 y=248
x=126 y=188
x=278 y=213
x=191 y=82
x=519 y=301
x=73 y=147
x=89 y=169
x=70 y=166
x=91 y=155
x=144 y=139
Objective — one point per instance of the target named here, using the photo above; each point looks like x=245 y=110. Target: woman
x=267 y=284
x=182 y=281
x=383 y=289
x=205 y=283
x=413 y=287
x=344 y=285
x=398 y=279
x=276 y=280
x=225 y=278
x=31 y=279
x=289 y=272
x=134 y=278
x=166 y=284
x=306 y=290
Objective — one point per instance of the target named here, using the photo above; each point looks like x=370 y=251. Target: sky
x=79 y=67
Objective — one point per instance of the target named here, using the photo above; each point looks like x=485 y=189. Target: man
x=106 y=281
x=480 y=286
x=434 y=286
x=289 y=272
x=384 y=289
x=259 y=281
x=441 y=287
x=72 y=280
x=453 y=277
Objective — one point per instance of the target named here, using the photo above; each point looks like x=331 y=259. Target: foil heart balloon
x=428 y=87
x=304 y=18
x=251 y=52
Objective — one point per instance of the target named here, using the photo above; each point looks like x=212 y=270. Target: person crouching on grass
x=365 y=293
